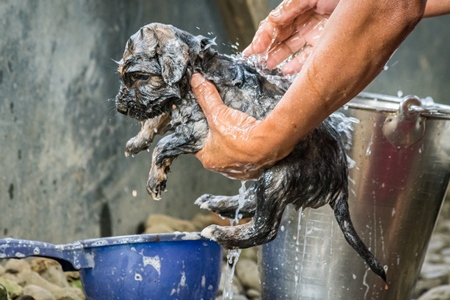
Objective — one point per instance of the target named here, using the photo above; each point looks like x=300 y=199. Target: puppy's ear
x=173 y=53
x=173 y=60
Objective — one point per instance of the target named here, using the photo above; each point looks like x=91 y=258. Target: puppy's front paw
x=149 y=129
x=155 y=186
x=156 y=183
x=135 y=145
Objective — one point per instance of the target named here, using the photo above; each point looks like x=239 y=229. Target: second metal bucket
x=398 y=179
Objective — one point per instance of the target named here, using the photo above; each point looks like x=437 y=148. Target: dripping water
x=233 y=254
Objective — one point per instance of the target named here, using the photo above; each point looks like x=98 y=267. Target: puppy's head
x=153 y=69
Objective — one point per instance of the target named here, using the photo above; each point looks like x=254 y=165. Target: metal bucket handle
x=410 y=108
x=407 y=126
x=427 y=107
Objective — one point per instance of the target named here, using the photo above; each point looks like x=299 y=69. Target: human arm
x=437 y=8
x=357 y=41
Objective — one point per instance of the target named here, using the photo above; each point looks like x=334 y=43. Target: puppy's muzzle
x=122 y=108
x=121 y=100
x=126 y=104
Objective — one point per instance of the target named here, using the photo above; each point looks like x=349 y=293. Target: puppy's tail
x=342 y=215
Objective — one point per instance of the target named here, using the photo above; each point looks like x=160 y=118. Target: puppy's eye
x=139 y=77
x=132 y=78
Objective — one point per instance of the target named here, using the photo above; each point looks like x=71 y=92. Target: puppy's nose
x=122 y=108
x=121 y=99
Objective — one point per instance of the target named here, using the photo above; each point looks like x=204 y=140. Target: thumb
x=206 y=93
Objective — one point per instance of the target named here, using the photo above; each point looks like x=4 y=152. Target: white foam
x=183 y=279
x=208 y=233
x=191 y=236
x=137 y=277
x=153 y=261
x=204 y=205
x=203 y=281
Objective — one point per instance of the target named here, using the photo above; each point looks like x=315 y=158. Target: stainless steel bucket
x=397 y=183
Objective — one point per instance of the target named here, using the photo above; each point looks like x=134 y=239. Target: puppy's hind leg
x=226 y=206
x=272 y=198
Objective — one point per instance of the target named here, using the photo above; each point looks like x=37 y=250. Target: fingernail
x=276 y=12
x=196 y=80
x=288 y=70
x=247 y=50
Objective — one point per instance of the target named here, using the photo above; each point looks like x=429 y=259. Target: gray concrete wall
x=63 y=175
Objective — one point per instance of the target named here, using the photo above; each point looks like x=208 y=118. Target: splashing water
x=232 y=259
x=233 y=254
x=369 y=147
x=298 y=261
x=303 y=52
x=319 y=27
x=365 y=284
x=241 y=202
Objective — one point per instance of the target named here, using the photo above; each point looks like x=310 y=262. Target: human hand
x=233 y=147
x=292 y=29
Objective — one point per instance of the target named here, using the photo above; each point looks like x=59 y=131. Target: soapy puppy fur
x=155 y=72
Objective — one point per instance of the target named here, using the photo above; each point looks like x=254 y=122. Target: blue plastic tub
x=154 y=266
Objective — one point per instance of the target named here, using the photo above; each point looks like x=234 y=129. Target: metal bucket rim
x=390 y=104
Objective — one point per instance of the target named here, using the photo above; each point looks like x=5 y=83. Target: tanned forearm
x=359 y=39
x=437 y=8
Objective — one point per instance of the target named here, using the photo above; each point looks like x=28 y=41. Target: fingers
x=215 y=110
x=209 y=162
x=284 y=50
x=296 y=64
x=278 y=26
x=287 y=29
x=287 y=11
x=207 y=95
x=228 y=127
x=262 y=40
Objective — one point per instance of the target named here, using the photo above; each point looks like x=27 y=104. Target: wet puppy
x=155 y=70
